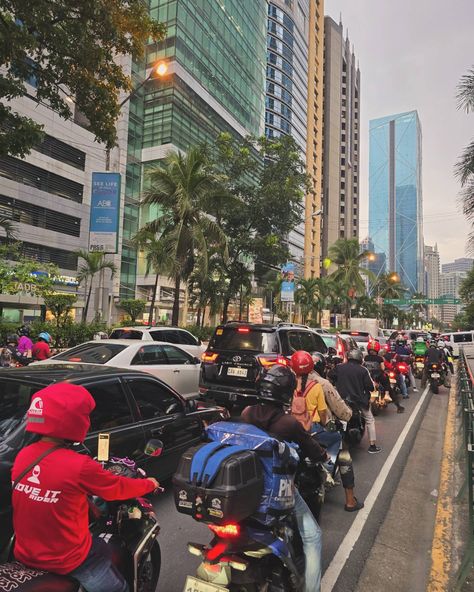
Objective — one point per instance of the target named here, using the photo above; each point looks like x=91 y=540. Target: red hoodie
x=50 y=509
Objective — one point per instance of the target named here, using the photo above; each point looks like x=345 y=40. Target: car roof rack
x=283 y=324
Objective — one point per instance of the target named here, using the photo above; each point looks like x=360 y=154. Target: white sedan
x=170 y=363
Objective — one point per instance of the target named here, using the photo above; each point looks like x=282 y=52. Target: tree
x=388 y=285
x=93 y=263
x=8 y=227
x=465 y=166
x=61 y=306
x=133 y=308
x=418 y=310
x=365 y=306
x=68 y=49
x=306 y=296
x=187 y=192
x=22 y=274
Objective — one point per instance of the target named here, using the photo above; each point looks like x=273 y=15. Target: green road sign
x=413 y=301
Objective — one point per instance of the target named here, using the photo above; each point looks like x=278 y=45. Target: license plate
x=434 y=375
x=420 y=365
x=242 y=372
x=195 y=585
x=393 y=381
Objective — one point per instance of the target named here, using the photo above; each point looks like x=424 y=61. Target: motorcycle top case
x=200 y=487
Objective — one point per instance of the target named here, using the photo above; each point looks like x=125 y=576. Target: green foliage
x=346 y=255
x=202 y=333
x=19 y=273
x=8 y=227
x=133 y=308
x=69 y=333
x=92 y=264
x=60 y=305
x=69 y=48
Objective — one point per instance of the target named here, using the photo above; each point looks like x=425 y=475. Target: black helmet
x=12 y=338
x=319 y=363
x=278 y=384
x=355 y=354
x=24 y=330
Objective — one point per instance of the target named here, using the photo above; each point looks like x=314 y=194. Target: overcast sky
x=412 y=54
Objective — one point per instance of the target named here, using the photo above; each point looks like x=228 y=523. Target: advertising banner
x=288 y=283
x=256 y=310
x=105 y=212
x=325 y=318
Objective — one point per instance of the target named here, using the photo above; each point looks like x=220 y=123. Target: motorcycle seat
x=16 y=577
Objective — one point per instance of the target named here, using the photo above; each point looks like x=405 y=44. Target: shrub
x=202 y=333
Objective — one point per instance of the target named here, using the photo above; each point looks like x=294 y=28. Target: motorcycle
x=435 y=377
x=129 y=527
x=418 y=366
x=379 y=400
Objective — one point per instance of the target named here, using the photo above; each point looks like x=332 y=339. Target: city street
x=377 y=477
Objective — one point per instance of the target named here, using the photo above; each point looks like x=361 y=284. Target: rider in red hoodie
x=50 y=507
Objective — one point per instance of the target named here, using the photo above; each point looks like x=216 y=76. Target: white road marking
x=339 y=560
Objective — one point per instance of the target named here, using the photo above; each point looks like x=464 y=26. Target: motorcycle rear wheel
x=149 y=569
x=434 y=387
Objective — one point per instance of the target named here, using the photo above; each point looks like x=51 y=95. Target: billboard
x=288 y=283
x=256 y=311
x=105 y=212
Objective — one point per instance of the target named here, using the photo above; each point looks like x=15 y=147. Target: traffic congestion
x=252 y=438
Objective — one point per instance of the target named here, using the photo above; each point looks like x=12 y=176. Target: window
x=149 y=355
x=125 y=334
x=187 y=338
x=462 y=337
x=92 y=353
x=14 y=402
x=177 y=356
x=111 y=408
x=61 y=151
x=312 y=342
x=166 y=336
x=153 y=399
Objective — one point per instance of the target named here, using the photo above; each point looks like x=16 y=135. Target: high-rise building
x=293 y=106
x=431 y=282
x=341 y=137
x=375 y=262
x=462 y=264
x=215 y=53
x=395 y=195
x=449 y=285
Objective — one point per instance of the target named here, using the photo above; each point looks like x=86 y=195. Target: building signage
x=288 y=284
x=105 y=210
x=411 y=302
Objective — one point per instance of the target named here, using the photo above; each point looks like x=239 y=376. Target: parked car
x=238 y=353
x=174 y=366
x=460 y=339
x=361 y=338
x=321 y=331
x=175 y=335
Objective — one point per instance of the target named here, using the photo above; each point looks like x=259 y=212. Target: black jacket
x=434 y=356
x=354 y=383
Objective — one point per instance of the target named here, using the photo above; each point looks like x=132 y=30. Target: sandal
x=358 y=506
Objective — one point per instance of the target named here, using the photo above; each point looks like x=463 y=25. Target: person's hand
x=155 y=482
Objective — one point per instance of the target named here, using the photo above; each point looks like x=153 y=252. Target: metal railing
x=465 y=411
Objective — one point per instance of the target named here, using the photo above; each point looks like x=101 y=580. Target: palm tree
x=418 y=309
x=93 y=264
x=8 y=227
x=187 y=193
x=306 y=296
x=465 y=165
x=388 y=286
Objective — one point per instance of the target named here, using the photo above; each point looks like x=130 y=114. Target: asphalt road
x=177 y=529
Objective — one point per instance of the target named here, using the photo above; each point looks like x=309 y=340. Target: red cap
x=61 y=410
x=302 y=362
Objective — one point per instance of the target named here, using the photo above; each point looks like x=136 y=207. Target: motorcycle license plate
x=420 y=365
x=434 y=375
x=232 y=371
x=195 y=585
x=393 y=381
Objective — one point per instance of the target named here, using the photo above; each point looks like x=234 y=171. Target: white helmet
x=420 y=339
x=441 y=343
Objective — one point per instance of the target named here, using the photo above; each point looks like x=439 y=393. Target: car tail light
x=243 y=330
x=269 y=362
x=74 y=360
x=225 y=531
x=354 y=332
x=209 y=357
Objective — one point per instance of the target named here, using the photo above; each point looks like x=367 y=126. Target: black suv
x=238 y=353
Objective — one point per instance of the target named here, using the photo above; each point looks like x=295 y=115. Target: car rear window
x=361 y=336
x=92 y=353
x=329 y=340
x=243 y=338
x=15 y=399
x=126 y=334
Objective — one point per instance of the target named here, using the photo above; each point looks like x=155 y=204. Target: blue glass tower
x=395 y=195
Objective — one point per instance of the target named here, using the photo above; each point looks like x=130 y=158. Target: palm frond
x=465 y=92
x=464 y=168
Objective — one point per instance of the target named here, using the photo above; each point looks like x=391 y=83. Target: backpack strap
x=200 y=459
x=34 y=463
x=309 y=386
x=215 y=460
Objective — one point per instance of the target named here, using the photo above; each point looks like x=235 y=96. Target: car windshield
x=92 y=353
x=14 y=402
x=126 y=334
x=243 y=338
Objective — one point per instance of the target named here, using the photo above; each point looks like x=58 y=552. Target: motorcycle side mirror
x=337 y=360
x=154 y=447
x=332 y=351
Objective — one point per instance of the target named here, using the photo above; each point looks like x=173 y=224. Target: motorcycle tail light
x=209 y=357
x=402 y=367
x=225 y=531
x=392 y=374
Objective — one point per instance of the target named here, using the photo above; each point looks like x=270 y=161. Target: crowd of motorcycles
x=244 y=555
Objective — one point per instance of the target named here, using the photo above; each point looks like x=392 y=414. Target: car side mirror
x=199 y=341
x=154 y=447
x=196 y=360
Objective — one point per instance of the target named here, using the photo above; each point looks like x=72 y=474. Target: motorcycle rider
x=275 y=393
x=25 y=345
x=51 y=484
x=433 y=356
x=354 y=384
x=404 y=353
x=41 y=349
x=336 y=407
x=447 y=354
x=10 y=355
x=374 y=363
x=419 y=350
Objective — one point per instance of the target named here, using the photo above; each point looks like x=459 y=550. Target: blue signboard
x=105 y=212
x=288 y=284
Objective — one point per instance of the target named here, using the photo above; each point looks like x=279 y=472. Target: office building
x=293 y=106
x=216 y=57
x=395 y=195
x=449 y=285
x=431 y=282
x=462 y=264
x=375 y=262
x=341 y=137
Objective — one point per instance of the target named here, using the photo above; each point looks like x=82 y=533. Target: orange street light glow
x=161 y=69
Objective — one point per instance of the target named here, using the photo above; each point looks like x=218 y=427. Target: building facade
x=462 y=264
x=395 y=195
x=216 y=58
x=449 y=285
x=341 y=137
x=431 y=282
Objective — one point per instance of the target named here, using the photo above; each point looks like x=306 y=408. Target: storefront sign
x=105 y=210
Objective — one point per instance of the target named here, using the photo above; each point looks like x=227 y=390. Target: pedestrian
x=41 y=349
x=354 y=384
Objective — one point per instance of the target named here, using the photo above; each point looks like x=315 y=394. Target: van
x=460 y=339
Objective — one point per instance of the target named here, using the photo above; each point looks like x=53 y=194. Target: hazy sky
x=412 y=54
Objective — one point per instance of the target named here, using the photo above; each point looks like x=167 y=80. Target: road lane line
x=339 y=560
x=441 y=564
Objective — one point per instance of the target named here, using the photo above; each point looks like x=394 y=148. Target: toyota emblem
x=236 y=359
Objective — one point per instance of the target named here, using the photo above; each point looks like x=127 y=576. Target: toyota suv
x=238 y=353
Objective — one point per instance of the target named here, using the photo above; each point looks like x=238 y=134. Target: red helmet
x=302 y=363
x=374 y=346
x=61 y=410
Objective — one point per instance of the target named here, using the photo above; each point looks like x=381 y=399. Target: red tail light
x=243 y=330
x=226 y=531
x=269 y=362
x=434 y=366
x=402 y=367
x=209 y=357
x=392 y=374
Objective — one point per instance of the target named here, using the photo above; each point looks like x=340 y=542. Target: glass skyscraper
x=395 y=195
